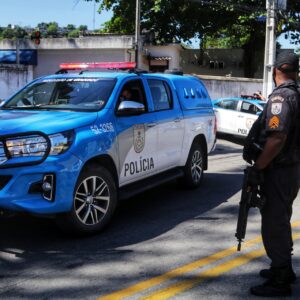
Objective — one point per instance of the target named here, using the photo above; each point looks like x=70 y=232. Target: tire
x=193 y=169
x=94 y=202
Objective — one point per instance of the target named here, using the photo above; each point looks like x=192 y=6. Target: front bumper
x=15 y=195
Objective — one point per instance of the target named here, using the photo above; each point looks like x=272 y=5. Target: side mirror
x=129 y=108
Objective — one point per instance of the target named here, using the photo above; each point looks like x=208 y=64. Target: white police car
x=236 y=116
x=73 y=144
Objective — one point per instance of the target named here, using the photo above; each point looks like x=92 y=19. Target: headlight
x=36 y=145
x=61 y=142
x=26 y=146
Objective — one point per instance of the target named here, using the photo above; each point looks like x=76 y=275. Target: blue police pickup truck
x=73 y=144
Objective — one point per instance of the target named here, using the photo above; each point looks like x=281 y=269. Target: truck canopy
x=191 y=92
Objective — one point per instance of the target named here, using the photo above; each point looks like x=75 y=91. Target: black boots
x=267 y=273
x=277 y=285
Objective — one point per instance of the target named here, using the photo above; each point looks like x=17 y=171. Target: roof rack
x=123 y=66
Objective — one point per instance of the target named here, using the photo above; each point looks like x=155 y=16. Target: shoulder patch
x=276 y=108
x=277 y=98
x=274 y=122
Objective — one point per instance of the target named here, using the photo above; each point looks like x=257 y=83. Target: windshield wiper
x=37 y=106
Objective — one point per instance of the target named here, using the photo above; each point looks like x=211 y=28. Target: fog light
x=48 y=187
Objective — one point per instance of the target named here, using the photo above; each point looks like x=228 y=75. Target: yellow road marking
x=182 y=286
x=146 y=284
x=211 y=273
x=176 y=272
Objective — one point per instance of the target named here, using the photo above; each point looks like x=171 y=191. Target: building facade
x=44 y=59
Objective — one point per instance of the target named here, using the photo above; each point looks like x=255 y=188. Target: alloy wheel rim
x=196 y=167
x=91 y=200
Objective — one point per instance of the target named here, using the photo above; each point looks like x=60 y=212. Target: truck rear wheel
x=94 y=202
x=193 y=169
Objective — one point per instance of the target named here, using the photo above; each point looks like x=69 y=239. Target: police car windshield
x=83 y=94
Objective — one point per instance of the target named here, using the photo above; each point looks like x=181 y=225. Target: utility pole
x=270 y=47
x=137 y=31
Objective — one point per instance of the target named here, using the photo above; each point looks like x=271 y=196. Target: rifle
x=251 y=197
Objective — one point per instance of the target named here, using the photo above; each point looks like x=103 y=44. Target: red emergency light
x=98 y=65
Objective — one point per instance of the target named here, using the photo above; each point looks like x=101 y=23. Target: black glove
x=254 y=176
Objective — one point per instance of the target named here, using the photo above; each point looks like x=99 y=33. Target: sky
x=64 y=12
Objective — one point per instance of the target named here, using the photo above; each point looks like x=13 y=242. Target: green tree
x=74 y=33
x=8 y=33
x=71 y=27
x=234 y=23
x=83 y=28
x=42 y=26
x=52 y=29
x=20 y=33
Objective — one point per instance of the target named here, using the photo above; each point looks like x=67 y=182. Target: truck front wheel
x=94 y=202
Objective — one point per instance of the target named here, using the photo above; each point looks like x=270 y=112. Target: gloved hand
x=254 y=176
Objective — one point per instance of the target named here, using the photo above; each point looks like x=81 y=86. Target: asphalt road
x=165 y=243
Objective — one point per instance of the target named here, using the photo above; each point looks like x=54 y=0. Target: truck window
x=228 y=104
x=161 y=94
x=249 y=108
x=133 y=90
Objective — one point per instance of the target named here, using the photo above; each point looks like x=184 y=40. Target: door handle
x=149 y=125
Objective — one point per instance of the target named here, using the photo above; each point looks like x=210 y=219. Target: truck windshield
x=64 y=93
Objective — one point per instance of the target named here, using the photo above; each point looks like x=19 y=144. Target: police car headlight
x=26 y=146
x=61 y=142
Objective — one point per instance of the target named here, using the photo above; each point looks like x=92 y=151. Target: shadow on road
x=37 y=242
x=138 y=219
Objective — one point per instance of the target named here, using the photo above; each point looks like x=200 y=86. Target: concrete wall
x=98 y=42
x=232 y=60
x=12 y=78
x=222 y=87
x=49 y=60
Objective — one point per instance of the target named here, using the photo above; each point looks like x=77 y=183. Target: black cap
x=289 y=59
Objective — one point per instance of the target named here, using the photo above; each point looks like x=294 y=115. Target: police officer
x=279 y=163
